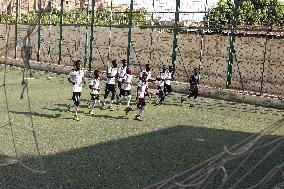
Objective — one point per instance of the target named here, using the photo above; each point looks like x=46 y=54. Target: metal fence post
x=38 y=32
x=130 y=23
x=175 y=43
x=92 y=35
x=16 y=29
x=231 y=49
x=87 y=36
x=61 y=35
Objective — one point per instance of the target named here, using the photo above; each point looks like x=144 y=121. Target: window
x=66 y=2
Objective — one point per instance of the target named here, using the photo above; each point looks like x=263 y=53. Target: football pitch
x=109 y=149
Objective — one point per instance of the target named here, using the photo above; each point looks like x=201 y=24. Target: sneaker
x=158 y=104
x=182 y=99
x=127 y=110
x=139 y=118
x=136 y=117
x=68 y=108
x=91 y=112
x=111 y=108
x=76 y=118
x=103 y=107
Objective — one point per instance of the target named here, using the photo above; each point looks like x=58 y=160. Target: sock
x=128 y=98
x=96 y=102
x=104 y=102
x=93 y=102
x=111 y=102
x=141 y=111
x=119 y=99
x=158 y=100
x=76 y=110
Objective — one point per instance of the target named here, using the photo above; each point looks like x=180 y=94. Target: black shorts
x=76 y=96
x=168 y=88
x=193 y=92
x=141 y=103
x=125 y=92
x=119 y=84
x=110 y=88
x=95 y=96
x=161 y=89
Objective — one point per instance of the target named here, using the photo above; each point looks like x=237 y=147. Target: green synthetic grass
x=109 y=150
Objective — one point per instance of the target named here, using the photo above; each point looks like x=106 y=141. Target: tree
x=249 y=12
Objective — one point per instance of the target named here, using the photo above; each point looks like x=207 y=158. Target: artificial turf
x=110 y=150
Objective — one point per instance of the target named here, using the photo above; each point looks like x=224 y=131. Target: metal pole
x=152 y=29
x=38 y=31
x=231 y=49
x=130 y=23
x=110 y=32
x=87 y=36
x=16 y=28
x=175 y=43
x=61 y=35
x=265 y=47
x=92 y=34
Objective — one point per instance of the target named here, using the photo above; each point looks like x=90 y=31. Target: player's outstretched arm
x=70 y=81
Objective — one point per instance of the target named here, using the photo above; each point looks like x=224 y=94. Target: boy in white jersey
x=110 y=84
x=161 y=78
x=169 y=78
x=141 y=90
x=95 y=89
x=76 y=78
x=121 y=73
x=148 y=79
x=126 y=90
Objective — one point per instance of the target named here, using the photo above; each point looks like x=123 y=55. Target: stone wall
x=213 y=61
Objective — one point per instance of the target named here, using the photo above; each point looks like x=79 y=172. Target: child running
x=193 y=88
x=121 y=73
x=110 y=84
x=147 y=70
x=76 y=78
x=169 y=78
x=126 y=90
x=95 y=89
x=161 y=78
x=141 y=90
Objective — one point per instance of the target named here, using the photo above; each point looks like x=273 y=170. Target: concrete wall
x=213 y=62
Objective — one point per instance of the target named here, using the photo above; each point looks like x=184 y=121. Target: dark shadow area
x=54 y=109
x=82 y=105
x=136 y=161
x=107 y=116
x=37 y=114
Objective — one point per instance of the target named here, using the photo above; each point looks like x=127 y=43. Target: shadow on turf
x=133 y=162
x=106 y=116
x=37 y=114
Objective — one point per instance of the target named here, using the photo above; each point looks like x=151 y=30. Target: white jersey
x=121 y=73
x=149 y=76
x=77 y=78
x=113 y=72
x=161 y=79
x=142 y=86
x=127 y=86
x=168 y=77
x=96 y=85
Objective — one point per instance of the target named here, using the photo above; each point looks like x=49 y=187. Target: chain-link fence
x=235 y=44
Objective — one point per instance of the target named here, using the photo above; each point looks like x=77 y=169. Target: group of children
x=124 y=79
